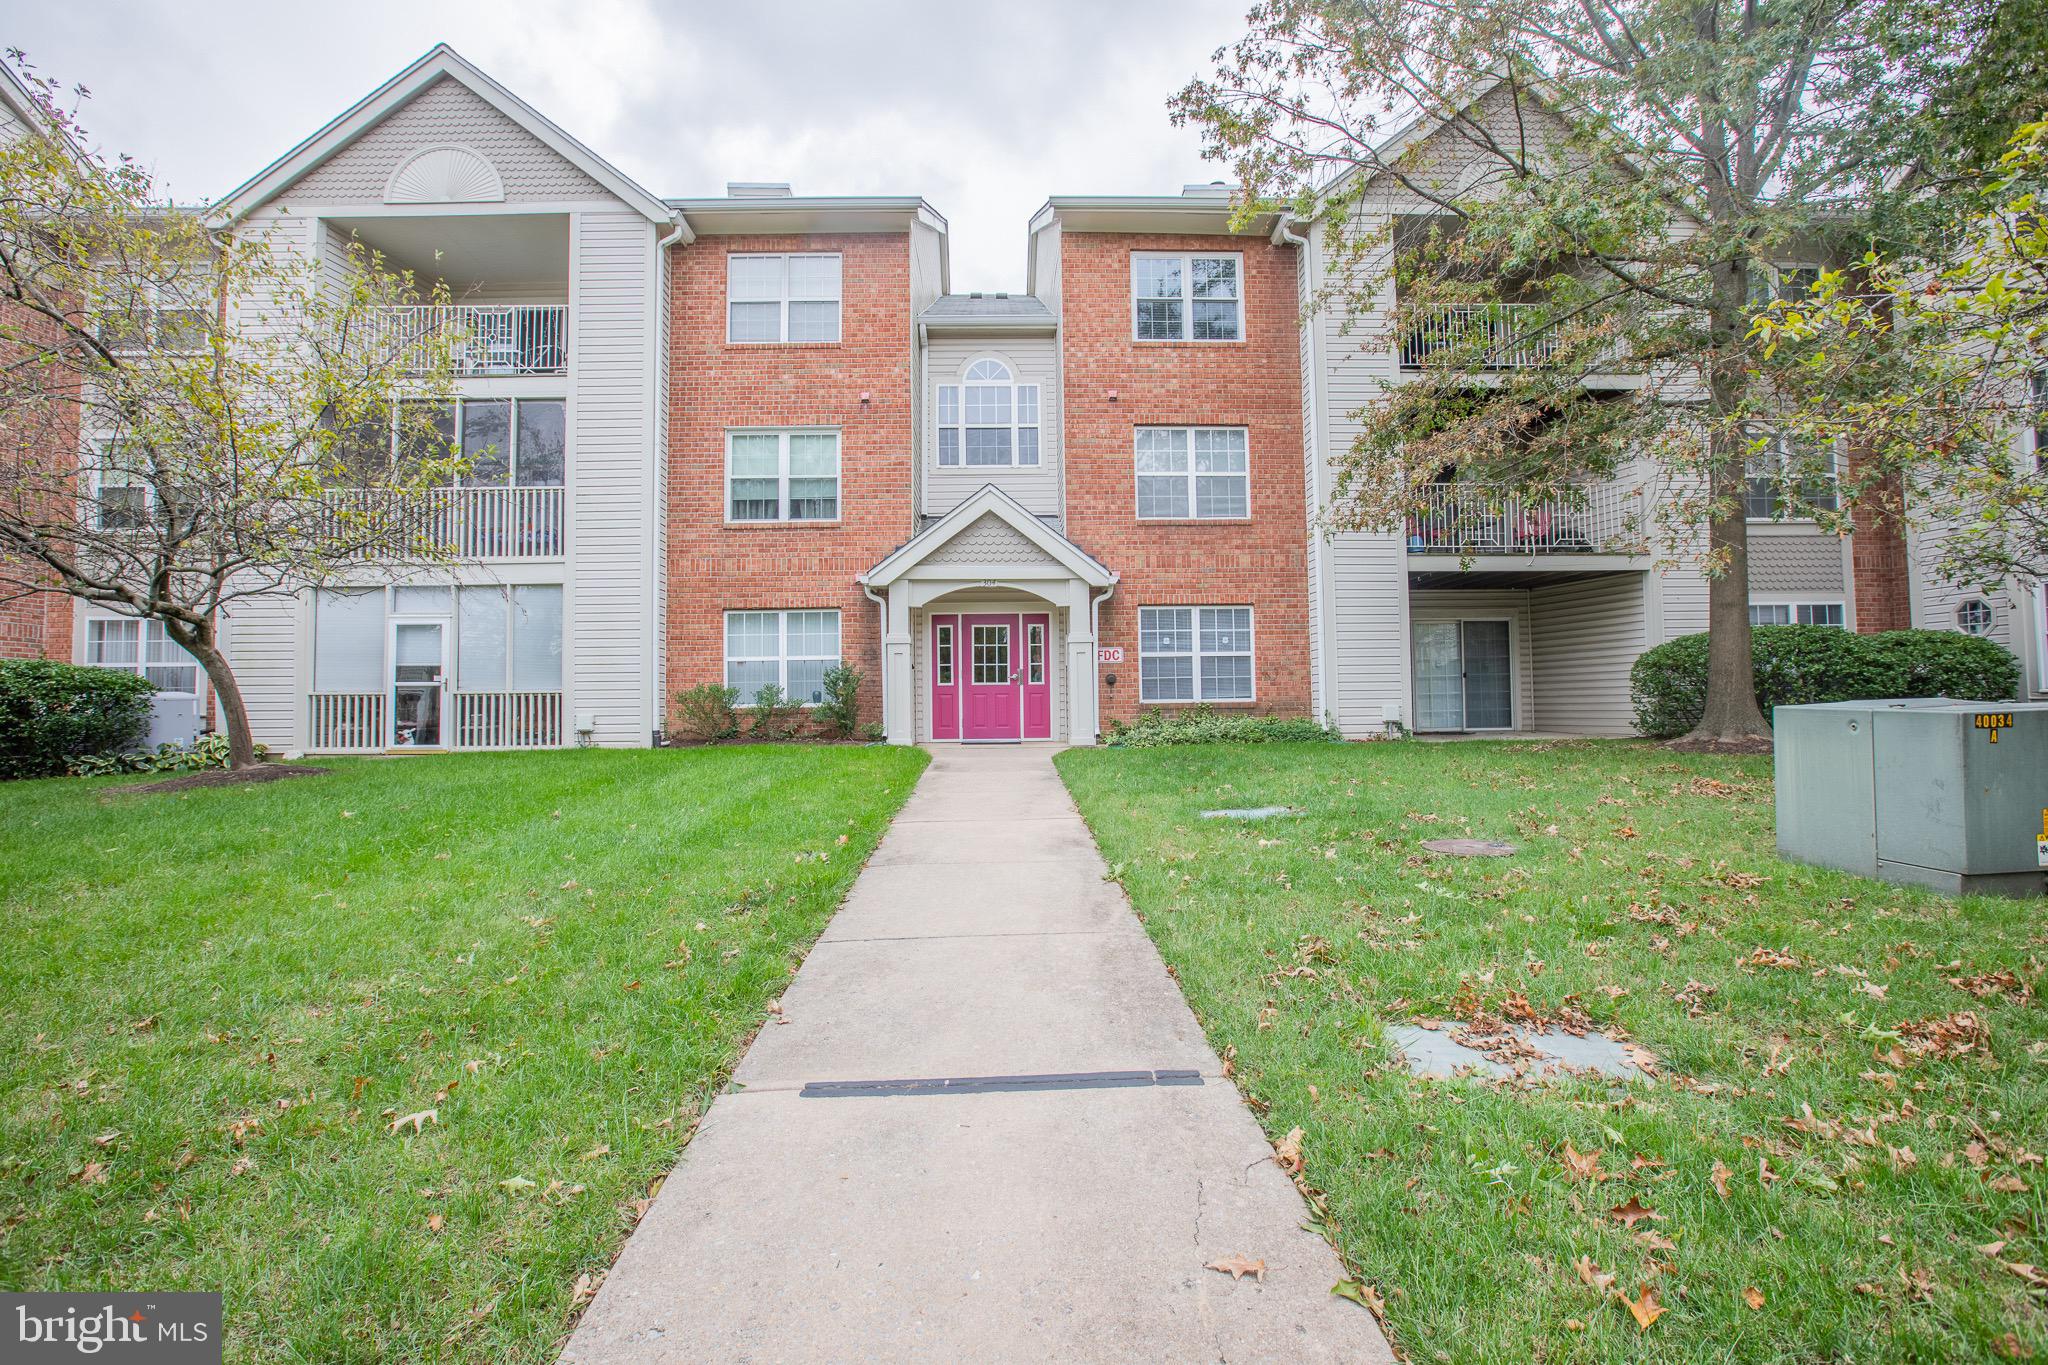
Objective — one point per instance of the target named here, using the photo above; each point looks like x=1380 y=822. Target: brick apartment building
x=751 y=436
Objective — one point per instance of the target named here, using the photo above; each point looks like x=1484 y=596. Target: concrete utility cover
x=1469 y=848
x=1432 y=1053
x=1249 y=813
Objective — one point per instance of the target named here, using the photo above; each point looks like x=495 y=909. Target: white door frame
x=446 y=684
x=1464 y=709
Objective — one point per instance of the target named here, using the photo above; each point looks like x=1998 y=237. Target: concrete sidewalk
x=1065 y=1224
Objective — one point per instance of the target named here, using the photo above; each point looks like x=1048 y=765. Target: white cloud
x=984 y=110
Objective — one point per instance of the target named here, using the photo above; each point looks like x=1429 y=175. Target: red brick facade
x=1254 y=383
x=38 y=625
x=35 y=627
x=714 y=567
x=1878 y=571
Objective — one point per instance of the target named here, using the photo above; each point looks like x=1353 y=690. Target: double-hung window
x=1764 y=494
x=782 y=476
x=1796 y=614
x=1194 y=654
x=1193 y=472
x=1189 y=297
x=782 y=298
x=143 y=647
x=124 y=495
x=791 y=649
x=152 y=317
x=988 y=418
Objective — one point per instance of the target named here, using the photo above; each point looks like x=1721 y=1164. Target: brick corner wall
x=714 y=567
x=1256 y=384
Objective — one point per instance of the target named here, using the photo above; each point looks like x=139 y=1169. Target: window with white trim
x=122 y=493
x=1763 y=497
x=143 y=647
x=1797 y=614
x=1201 y=473
x=791 y=297
x=1974 y=616
x=1187 y=297
x=2037 y=384
x=152 y=317
x=1034 y=653
x=942 y=653
x=782 y=476
x=792 y=649
x=1194 y=654
x=988 y=418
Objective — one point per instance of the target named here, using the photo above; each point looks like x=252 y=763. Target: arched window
x=988 y=418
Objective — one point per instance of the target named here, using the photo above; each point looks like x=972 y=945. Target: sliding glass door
x=1464 y=676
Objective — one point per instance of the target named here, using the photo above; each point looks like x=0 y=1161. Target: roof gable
x=439 y=104
x=989 y=502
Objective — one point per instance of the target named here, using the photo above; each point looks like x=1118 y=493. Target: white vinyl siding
x=1584 y=639
x=1034 y=361
x=1195 y=654
x=1187 y=297
x=771 y=298
x=781 y=476
x=791 y=649
x=1192 y=473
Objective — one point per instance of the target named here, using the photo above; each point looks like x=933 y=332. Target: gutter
x=657 y=400
x=1095 y=629
x=882 y=650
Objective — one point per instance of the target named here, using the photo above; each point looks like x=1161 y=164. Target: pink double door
x=991 y=676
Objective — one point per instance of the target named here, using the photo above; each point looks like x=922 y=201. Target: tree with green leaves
x=1938 y=370
x=1579 y=246
x=189 y=418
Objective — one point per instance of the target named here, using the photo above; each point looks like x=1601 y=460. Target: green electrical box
x=1928 y=792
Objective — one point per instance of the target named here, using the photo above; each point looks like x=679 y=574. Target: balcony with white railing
x=356 y=722
x=490 y=340
x=490 y=521
x=1501 y=334
x=1477 y=519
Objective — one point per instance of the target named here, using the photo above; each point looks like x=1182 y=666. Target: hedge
x=1200 y=725
x=1802 y=664
x=52 y=713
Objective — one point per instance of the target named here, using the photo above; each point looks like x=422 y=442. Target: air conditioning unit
x=1927 y=792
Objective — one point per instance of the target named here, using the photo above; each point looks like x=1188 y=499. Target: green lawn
x=1645 y=883
x=215 y=1004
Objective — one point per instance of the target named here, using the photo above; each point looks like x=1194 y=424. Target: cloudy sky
x=982 y=109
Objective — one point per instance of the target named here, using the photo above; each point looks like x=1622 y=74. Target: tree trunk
x=1731 y=715
x=201 y=643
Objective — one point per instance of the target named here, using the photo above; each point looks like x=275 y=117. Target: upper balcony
x=1498 y=332
x=488 y=340
x=1473 y=521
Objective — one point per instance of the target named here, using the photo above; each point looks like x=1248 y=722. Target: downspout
x=1312 y=438
x=881 y=645
x=656 y=399
x=1095 y=629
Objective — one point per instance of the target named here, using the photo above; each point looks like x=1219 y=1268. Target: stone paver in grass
x=1436 y=1053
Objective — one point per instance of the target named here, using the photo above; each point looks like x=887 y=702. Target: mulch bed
x=223 y=777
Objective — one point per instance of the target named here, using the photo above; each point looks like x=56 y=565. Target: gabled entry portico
x=989 y=629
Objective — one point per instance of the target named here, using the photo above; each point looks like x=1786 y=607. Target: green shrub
x=51 y=713
x=774 y=714
x=840 y=711
x=708 y=712
x=1798 y=665
x=1201 y=725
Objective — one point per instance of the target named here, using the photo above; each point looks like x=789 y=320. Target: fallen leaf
x=1582 y=1165
x=1362 y=1294
x=602 y=1149
x=2007 y=1184
x=92 y=1173
x=1287 y=1152
x=418 y=1121
x=1754 y=1298
x=2026 y=1272
x=435 y=1222
x=1644 y=1308
x=516 y=1184
x=1655 y=1240
x=1593 y=1275
x=1719 y=1175
x=1237 y=1267
x=1633 y=1212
